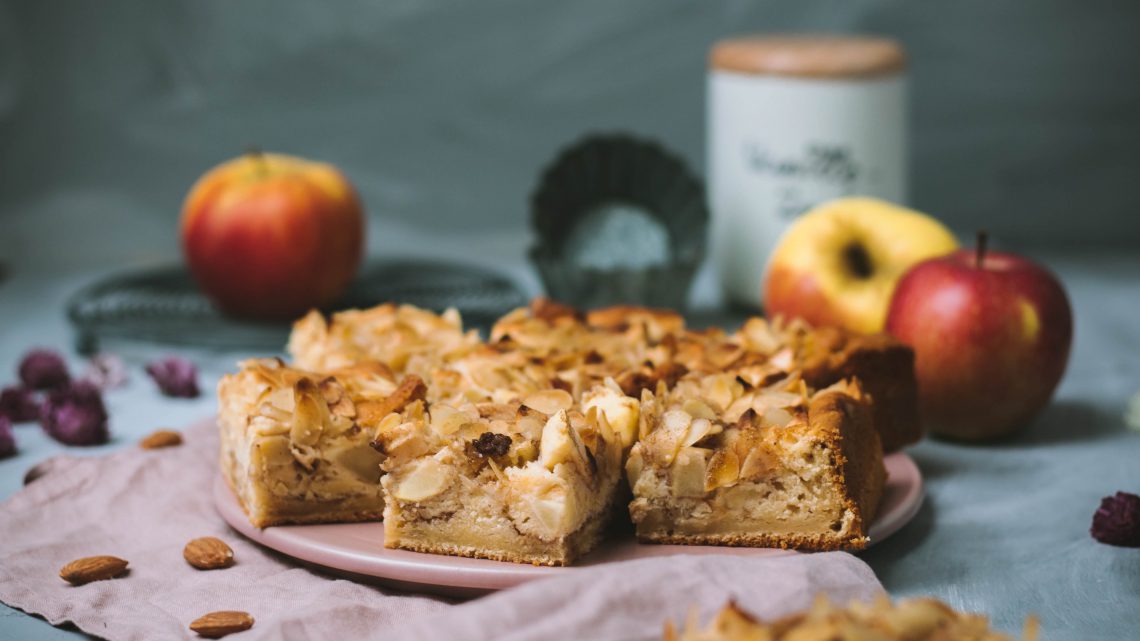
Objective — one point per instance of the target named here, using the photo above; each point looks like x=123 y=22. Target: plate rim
x=445 y=571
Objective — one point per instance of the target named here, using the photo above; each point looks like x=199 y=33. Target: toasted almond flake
x=309 y=414
x=699 y=409
x=549 y=401
x=777 y=416
x=757 y=464
x=723 y=469
x=780 y=399
x=784 y=359
x=699 y=429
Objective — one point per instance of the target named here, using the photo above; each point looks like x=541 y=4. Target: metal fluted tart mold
x=618 y=219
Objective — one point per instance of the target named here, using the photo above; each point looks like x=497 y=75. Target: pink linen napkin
x=144 y=506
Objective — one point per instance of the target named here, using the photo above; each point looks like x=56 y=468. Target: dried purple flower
x=19 y=404
x=175 y=376
x=7 y=440
x=76 y=415
x=106 y=371
x=1117 y=521
x=43 y=369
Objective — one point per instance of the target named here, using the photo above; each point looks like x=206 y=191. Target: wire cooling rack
x=164 y=305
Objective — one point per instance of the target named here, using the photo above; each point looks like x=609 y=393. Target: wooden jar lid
x=809 y=56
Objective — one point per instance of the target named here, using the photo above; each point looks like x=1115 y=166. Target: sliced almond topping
x=784 y=359
x=410 y=390
x=583 y=457
x=722 y=356
x=757 y=464
x=670 y=435
x=781 y=399
x=723 y=469
x=760 y=335
x=777 y=416
x=741 y=405
x=337 y=398
x=310 y=413
x=722 y=391
x=699 y=409
x=549 y=401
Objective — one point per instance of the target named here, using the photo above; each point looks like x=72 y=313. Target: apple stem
x=980 y=256
x=254 y=153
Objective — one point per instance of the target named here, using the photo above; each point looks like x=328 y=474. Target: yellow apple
x=839 y=263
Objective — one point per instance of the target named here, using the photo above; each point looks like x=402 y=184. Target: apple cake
x=725 y=461
x=920 y=619
x=529 y=481
x=513 y=448
x=294 y=444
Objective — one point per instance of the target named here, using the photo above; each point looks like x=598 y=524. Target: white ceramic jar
x=794 y=121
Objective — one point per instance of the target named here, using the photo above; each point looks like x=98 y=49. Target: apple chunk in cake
x=294 y=444
x=721 y=462
x=530 y=481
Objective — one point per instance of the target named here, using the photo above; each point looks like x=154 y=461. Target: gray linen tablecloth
x=1004 y=529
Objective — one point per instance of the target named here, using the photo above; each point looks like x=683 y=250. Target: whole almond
x=92 y=568
x=161 y=438
x=216 y=625
x=208 y=553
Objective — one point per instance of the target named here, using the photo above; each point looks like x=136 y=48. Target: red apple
x=270 y=236
x=991 y=334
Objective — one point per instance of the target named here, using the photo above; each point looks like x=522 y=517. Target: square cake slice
x=720 y=462
x=531 y=481
x=293 y=447
x=883 y=366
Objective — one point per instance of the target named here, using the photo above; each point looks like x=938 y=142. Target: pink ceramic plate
x=358 y=548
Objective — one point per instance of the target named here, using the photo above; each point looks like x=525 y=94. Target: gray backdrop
x=1026 y=115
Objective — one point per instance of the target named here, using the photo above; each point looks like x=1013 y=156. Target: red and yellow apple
x=838 y=264
x=270 y=236
x=991 y=334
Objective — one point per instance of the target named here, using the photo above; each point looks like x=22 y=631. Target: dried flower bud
x=19 y=404
x=492 y=444
x=1117 y=521
x=43 y=369
x=106 y=371
x=175 y=377
x=76 y=415
x=7 y=440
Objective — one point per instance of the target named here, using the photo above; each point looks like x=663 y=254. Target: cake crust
x=292 y=446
